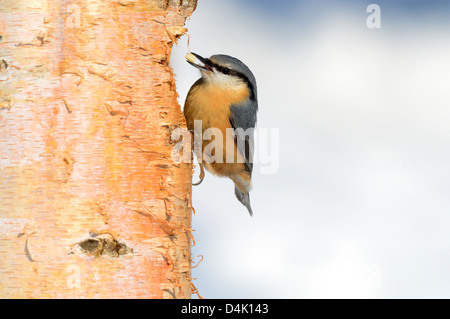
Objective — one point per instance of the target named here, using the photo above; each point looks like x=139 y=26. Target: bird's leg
x=201 y=176
x=197 y=145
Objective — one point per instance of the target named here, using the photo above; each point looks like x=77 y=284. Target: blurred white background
x=360 y=204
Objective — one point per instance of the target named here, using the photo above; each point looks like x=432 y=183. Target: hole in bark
x=104 y=246
x=90 y=245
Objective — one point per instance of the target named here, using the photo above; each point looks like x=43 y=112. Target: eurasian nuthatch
x=224 y=98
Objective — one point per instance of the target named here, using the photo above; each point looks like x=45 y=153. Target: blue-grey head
x=226 y=70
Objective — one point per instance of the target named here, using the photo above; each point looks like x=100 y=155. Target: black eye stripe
x=237 y=74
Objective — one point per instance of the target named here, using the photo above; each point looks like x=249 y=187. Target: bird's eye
x=226 y=71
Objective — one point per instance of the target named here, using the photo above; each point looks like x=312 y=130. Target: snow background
x=358 y=205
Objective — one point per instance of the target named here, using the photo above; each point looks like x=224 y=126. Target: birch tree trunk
x=91 y=203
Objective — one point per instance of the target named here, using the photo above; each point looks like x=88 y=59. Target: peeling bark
x=91 y=203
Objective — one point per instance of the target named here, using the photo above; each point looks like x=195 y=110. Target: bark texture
x=91 y=203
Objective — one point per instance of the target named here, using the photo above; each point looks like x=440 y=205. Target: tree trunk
x=91 y=203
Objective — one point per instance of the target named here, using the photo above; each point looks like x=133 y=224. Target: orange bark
x=91 y=203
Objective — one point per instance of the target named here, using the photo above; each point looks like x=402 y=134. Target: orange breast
x=211 y=104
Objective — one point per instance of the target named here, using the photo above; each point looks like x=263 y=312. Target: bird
x=224 y=99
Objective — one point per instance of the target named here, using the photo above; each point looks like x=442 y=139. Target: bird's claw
x=201 y=176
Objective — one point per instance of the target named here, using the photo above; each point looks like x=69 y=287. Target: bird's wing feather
x=243 y=121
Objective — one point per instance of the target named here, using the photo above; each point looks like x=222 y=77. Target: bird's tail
x=244 y=199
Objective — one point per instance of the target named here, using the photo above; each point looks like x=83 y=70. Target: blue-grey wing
x=243 y=121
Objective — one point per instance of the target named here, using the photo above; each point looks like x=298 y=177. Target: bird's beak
x=204 y=65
